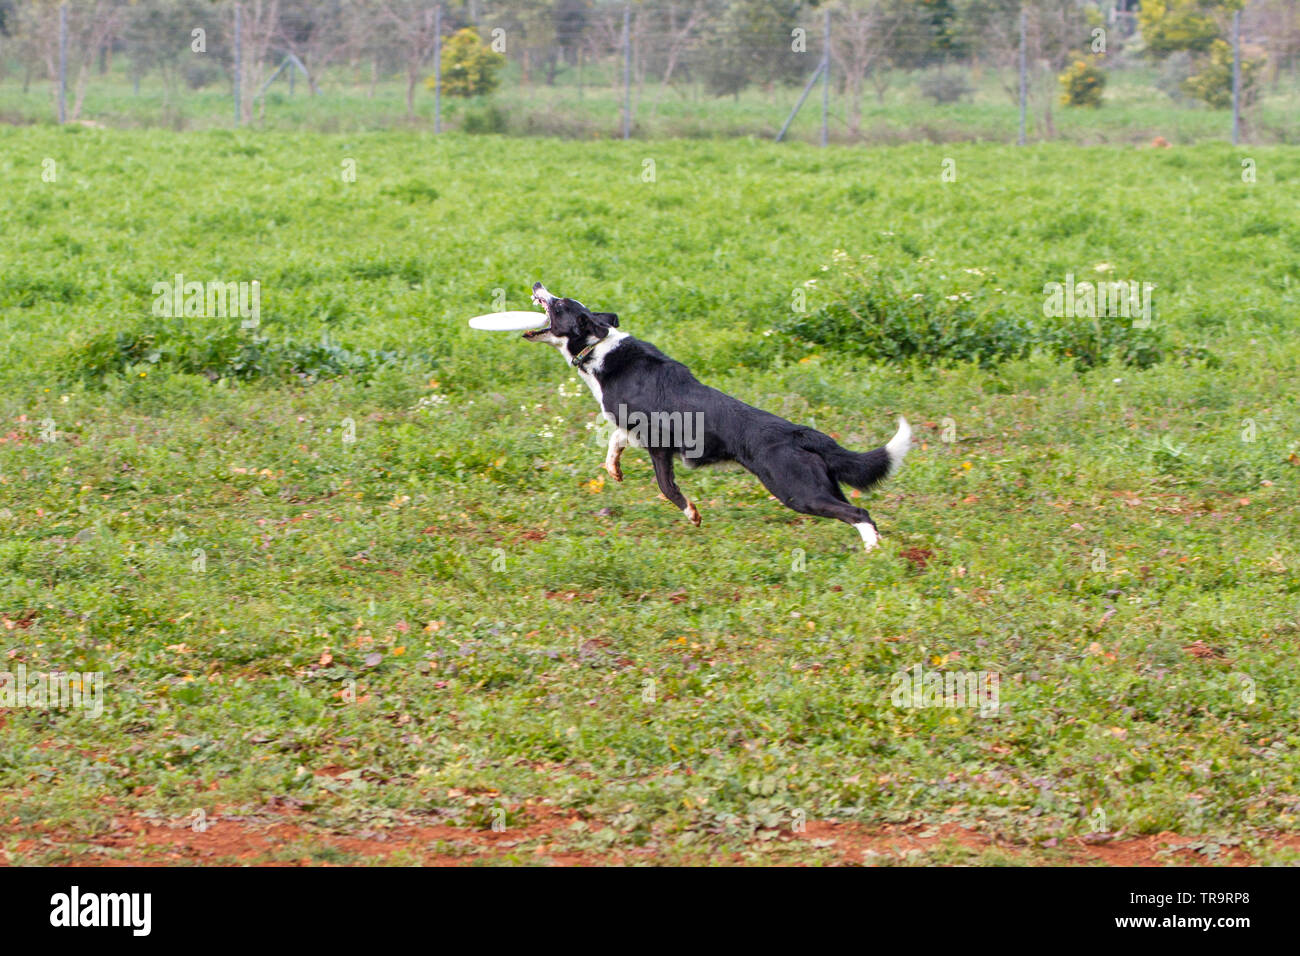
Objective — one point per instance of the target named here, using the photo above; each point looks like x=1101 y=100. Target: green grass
x=458 y=611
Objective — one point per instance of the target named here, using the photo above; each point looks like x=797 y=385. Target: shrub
x=944 y=87
x=1213 y=84
x=489 y=119
x=200 y=73
x=469 y=66
x=412 y=191
x=222 y=350
x=1082 y=84
x=905 y=315
x=1169 y=25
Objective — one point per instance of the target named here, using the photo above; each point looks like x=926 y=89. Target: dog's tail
x=864 y=470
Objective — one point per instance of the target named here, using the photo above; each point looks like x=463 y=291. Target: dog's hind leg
x=828 y=507
x=617 y=442
x=662 y=459
x=802 y=483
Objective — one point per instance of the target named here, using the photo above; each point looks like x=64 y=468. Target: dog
x=655 y=403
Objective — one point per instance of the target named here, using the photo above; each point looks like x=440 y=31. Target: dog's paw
x=613 y=470
x=692 y=514
x=870 y=536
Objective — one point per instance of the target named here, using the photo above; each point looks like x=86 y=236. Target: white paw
x=870 y=537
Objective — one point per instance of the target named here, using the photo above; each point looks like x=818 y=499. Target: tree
x=681 y=30
x=570 y=25
x=864 y=40
x=1170 y=25
x=1056 y=32
x=316 y=33
x=753 y=42
x=532 y=35
x=1278 y=22
x=156 y=35
x=469 y=66
x=940 y=17
x=1199 y=28
x=414 y=25
x=259 y=20
x=92 y=24
x=1213 y=84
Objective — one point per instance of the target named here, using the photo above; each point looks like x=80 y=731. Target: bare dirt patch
x=855 y=844
x=287 y=837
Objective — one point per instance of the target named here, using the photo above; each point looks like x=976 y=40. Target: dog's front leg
x=662 y=458
x=617 y=442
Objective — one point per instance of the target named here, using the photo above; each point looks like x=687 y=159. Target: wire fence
x=882 y=72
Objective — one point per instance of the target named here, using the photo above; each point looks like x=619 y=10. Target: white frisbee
x=509 y=321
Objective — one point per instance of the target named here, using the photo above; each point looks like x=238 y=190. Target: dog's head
x=572 y=324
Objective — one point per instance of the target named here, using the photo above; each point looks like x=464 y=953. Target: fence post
x=437 y=68
x=1236 y=77
x=816 y=74
x=627 y=71
x=1024 y=82
x=239 y=61
x=826 y=76
x=63 y=63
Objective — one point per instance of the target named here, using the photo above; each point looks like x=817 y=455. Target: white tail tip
x=899 y=445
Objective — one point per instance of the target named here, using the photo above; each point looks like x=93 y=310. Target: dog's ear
x=598 y=323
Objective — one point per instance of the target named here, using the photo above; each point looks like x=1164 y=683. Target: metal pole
x=627 y=72
x=437 y=68
x=63 y=63
x=1236 y=77
x=1024 y=81
x=826 y=76
x=239 y=60
x=802 y=96
x=274 y=76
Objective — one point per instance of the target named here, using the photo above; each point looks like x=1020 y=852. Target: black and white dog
x=656 y=403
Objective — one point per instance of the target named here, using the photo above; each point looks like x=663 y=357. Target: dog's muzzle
x=544 y=299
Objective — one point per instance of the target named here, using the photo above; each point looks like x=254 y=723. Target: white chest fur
x=593 y=364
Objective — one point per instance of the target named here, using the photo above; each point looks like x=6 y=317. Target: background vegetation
x=901 y=70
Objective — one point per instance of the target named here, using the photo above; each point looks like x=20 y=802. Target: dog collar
x=582 y=356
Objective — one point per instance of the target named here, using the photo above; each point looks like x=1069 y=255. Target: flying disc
x=509 y=321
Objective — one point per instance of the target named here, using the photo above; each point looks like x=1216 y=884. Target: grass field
x=453 y=621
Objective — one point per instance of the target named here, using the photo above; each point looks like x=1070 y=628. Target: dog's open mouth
x=544 y=299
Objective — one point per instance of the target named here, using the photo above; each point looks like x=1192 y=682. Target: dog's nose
x=540 y=295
